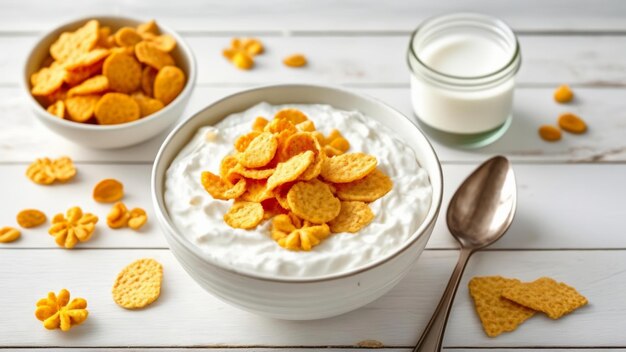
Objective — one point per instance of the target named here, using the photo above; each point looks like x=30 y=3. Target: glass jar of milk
x=463 y=69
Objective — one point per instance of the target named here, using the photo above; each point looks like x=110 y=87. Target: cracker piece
x=150 y=55
x=28 y=218
x=147 y=105
x=123 y=72
x=115 y=108
x=9 y=234
x=352 y=218
x=147 y=80
x=244 y=215
x=47 y=81
x=348 y=167
x=168 y=83
x=80 y=41
x=373 y=186
x=57 y=109
x=313 y=201
x=81 y=107
x=290 y=170
x=94 y=85
x=260 y=151
x=496 y=313
x=86 y=59
x=546 y=295
x=138 y=284
x=127 y=36
x=163 y=42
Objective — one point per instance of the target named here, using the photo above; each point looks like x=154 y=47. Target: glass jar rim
x=471 y=16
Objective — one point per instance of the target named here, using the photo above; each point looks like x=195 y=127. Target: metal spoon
x=479 y=214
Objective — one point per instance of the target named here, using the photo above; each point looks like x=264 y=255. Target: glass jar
x=463 y=69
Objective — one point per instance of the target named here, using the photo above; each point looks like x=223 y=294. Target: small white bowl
x=297 y=298
x=111 y=136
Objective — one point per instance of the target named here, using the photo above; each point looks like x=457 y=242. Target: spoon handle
x=432 y=337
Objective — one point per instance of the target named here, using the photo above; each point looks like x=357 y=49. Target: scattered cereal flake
x=72 y=228
x=57 y=109
x=563 y=94
x=58 y=312
x=123 y=72
x=138 y=284
x=260 y=151
x=549 y=133
x=9 y=234
x=348 y=167
x=295 y=60
x=108 y=190
x=244 y=215
x=373 y=186
x=138 y=218
x=127 y=36
x=496 y=313
x=242 y=60
x=313 y=201
x=572 y=123
x=219 y=189
x=252 y=46
x=290 y=170
x=300 y=142
x=93 y=85
x=28 y=218
x=150 y=55
x=148 y=75
x=118 y=216
x=115 y=108
x=71 y=43
x=352 y=218
x=81 y=108
x=168 y=83
x=546 y=295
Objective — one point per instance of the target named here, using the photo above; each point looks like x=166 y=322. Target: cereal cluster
x=56 y=311
x=503 y=304
x=287 y=171
x=95 y=76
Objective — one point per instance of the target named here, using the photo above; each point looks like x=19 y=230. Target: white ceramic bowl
x=110 y=136
x=297 y=298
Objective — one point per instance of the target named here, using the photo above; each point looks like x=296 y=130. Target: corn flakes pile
x=95 y=76
x=503 y=304
x=287 y=171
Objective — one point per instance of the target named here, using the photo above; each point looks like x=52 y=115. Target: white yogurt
x=199 y=217
x=463 y=81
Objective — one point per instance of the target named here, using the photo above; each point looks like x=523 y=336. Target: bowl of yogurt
x=246 y=268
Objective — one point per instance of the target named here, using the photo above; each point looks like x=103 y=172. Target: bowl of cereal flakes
x=297 y=201
x=109 y=82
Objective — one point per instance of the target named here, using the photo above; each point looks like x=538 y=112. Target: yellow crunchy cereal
x=572 y=123
x=288 y=232
x=150 y=55
x=58 y=312
x=219 y=189
x=138 y=218
x=227 y=166
x=45 y=171
x=80 y=108
x=255 y=174
x=280 y=193
x=256 y=191
x=546 y=295
x=294 y=116
x=290 y=170
x=168 y=83
x=331 y=151
x=147 y=105
x=549 y=133
x=86 y=59
x=252 y=46
x=148 y=27
x=115 y=108
x=9 y=234
x=123 y=72
x=244 y=215
x=93 y=85
x=138 y=284
x=373 y=186
x=118 y=216
x=127 y=36
x=260 y=151
x=57 y=109
x=496 y=313
x=348 y=167
x=163 y=42
x=242 y=60
x=313 y=201
x=28 y=218
x=281 y=125
x=352 y=218
x=306 y=126
x=300 y=142
x=147 y=80
x=108 y=191
x=105 y=40
x=71 y=43
x=259 y=124
x=78 y=76
x=47 y=81
x=563 y=94
x=295 y=60
x=72 y=228
x=64 y=169
x=243 y=141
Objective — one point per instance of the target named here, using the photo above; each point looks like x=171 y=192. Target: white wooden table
x=569 y=224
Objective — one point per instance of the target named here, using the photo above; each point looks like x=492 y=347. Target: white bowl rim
x=160 y=210
x=189 y=85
